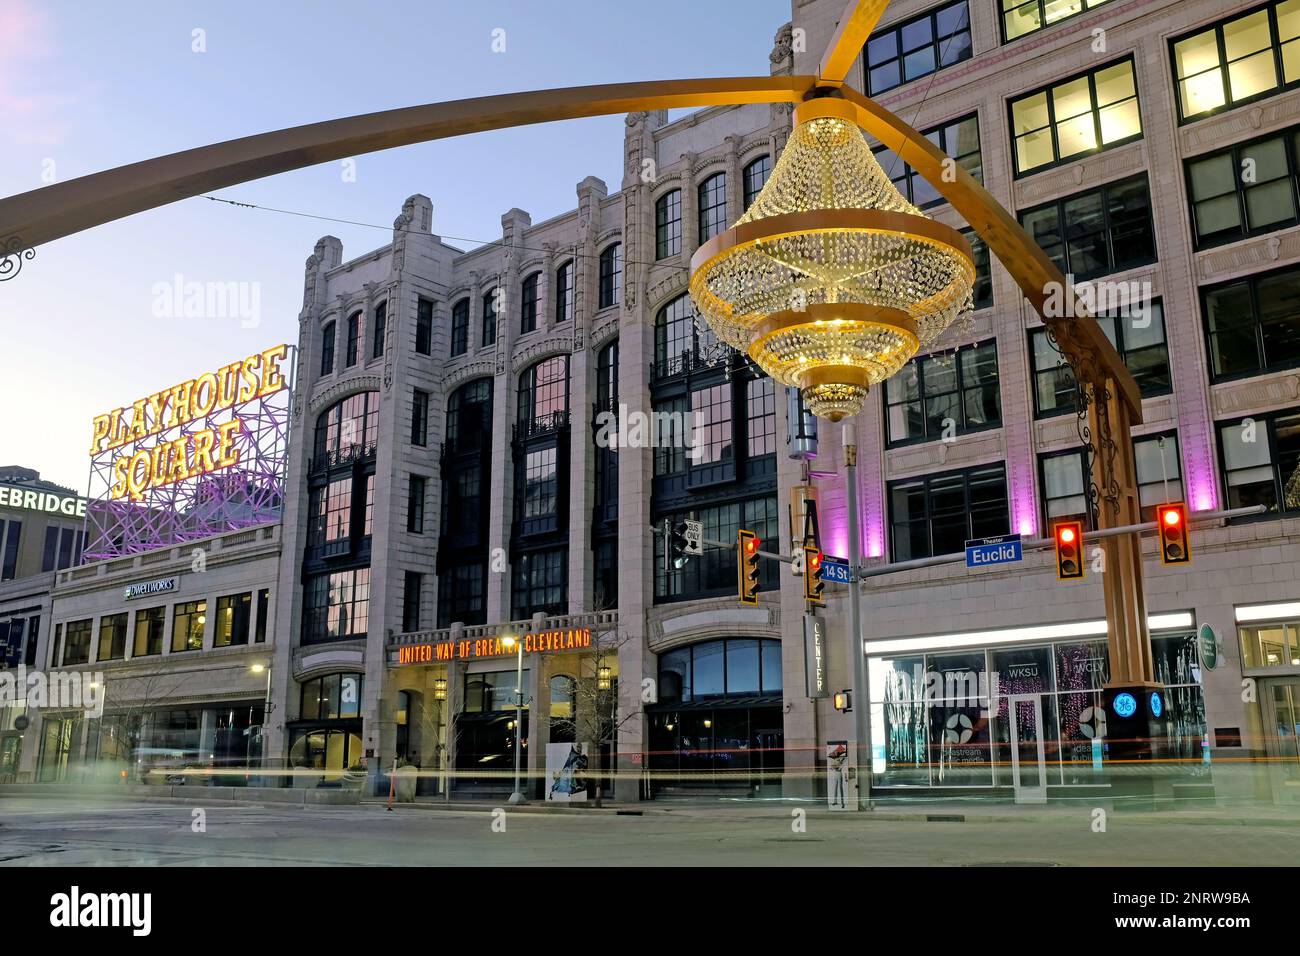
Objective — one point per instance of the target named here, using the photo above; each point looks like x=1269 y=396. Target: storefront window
x=732 y=668
x=332 y=697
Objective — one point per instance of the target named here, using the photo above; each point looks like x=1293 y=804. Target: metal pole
x=518 y=796
x=857 y=653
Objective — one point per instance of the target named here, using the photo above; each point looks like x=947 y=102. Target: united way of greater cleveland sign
x=573 y=639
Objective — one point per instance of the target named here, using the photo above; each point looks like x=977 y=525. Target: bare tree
x=595 y=718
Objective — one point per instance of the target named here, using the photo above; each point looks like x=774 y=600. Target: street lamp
x=511 y=643
x=266 y=709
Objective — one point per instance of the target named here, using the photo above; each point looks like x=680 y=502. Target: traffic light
x=1069 y=550
x=1171 y=522
x=813 y=586
x=677 y=556
x=747 y=566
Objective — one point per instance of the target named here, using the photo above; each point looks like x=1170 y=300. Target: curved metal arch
x=61 y=209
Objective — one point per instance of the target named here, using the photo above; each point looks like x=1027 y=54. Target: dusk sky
x=86 y=87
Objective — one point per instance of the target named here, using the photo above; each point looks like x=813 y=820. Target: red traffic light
x=1069 y=556
x=1171 y=526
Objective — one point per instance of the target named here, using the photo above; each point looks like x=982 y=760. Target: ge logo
x=1092 y=723
x=958 y=729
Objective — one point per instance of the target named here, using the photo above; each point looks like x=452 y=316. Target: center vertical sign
x=816 y=675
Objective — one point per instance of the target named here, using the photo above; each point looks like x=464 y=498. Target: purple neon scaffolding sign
x=248 y=493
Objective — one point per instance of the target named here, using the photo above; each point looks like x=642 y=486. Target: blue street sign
x=835 y=570
x=983 y=552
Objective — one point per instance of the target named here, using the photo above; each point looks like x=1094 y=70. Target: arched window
x=544 y=391
x=353 y=348
x=469 y=416
x=756 y=174
x=713 y=206
x=668 y=224
x=331 y=697
x=348 y=425
x=528 y=304
x=564 y=292
x=678 y=338
x=611 y=275
x=327 y=349
x=490 y=301
x=460 y=328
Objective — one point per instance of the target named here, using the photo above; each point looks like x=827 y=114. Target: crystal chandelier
x=831 y=281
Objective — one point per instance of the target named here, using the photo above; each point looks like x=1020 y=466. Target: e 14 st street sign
x=983 y=552
x=836 y=570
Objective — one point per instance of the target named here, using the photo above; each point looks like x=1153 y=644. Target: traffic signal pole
x=857 y=652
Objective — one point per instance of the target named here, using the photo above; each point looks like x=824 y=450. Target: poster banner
x=841 y=782
x=566 y=772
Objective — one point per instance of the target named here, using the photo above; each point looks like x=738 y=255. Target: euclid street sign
x=983 y=552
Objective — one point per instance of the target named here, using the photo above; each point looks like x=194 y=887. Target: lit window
x=1020 y=17
x=1238 y=60
x=1082 y=115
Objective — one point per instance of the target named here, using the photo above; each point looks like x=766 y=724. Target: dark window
x=1159 y=472
x=1139 y=337
x=460 y=328
x=668 y=224
x=761 y=429
x=188 y=623
x=1246 y=190
x=1246 y=57
x=62 y=547
x=540 y=483
x=469 y=416
x=415 y=494
x=337 y=605
x=528 y=304
x=150 y=623
x=605 y=573
x=329 y=517
x=327 y=349
x=982 y=293
x=755 y=178
x=234 y=612
x=713 y=206
x=354 y=340
x=419 y=417
x=412 y=586
x=460 y=595
x=680 y=342
x=714 y=572
x=1021 y=17
x=347 y=427
x=332 y=697
x=960 y=139
x=263 y=612
x=918 y=47
x=1253 y=324
x=938 y=514
x=538 y=583
x=713 y=425
x=381 y=324
x=51 y=553
x=1098 y=232
x=1075 y=117
x=611 y=275
x=424 y=326
x=564 y=292
x=11 y=532
x=76 y=647
x=670 y=417
x=736 y=667
x=942 y=395
x=1260 y=459
x=1065 y=487
x=490 y=317
x=112 y=637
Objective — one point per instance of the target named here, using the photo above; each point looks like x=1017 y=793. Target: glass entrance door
x=1282 y=730
x=1028 y=763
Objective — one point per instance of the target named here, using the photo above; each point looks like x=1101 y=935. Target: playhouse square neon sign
x=573 y=639
x=199 y=451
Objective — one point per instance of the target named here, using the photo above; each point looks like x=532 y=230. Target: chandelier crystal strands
x=831 y=281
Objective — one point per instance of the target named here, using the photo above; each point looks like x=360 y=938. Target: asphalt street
x=44 y=831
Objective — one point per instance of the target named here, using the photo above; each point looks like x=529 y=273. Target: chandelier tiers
x=832 y=281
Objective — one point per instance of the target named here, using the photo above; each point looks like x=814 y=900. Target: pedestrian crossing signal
x=747 y=566
x=1171 y=523
x=1069 y=550
x=813 y=586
